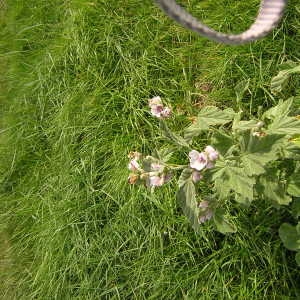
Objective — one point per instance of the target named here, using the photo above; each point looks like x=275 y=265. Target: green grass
x=75 y=79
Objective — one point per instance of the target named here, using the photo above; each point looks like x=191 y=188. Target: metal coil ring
x=269 y=15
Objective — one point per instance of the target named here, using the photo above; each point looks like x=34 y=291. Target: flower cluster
x=206 y=212
x=158 y=109
x=147 y=170
x=202 y=160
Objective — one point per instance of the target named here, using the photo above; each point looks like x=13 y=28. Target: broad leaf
x=279 y=81
x=294 y=185
x=222 y=142
x=147 y=161
x=258 y=151
x=242 y=200
x=208 y=116
x=296 y=207
x=244 y=125
x=222 y=224
x=289 y=236
x=241 y=88
x=281 y=110
x=233 y=178
x=164 y=154
x=272 y=189
x=171 y=136
x=187 y=199
x=185 y=176
x=284 y=125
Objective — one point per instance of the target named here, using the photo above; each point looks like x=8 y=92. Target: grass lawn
x=75 y=76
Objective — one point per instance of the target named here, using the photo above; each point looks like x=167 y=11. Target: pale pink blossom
x=166 y=113
x=133 y=165
x=210 y=165
x=203 y=204
x=158 y=109
x=156 y=181
x=206 y=212
x=196 y=176
x=211 y=153
x=167 y=177
x=155 y=101
x=198 y=161
x=206 y=216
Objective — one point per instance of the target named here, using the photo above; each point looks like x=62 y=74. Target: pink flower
x=211 y=153
x=167 y=177
x=196 y=176
x=210 y=165
x=166 y=113
x=203 y=204
x=206 y=212
x=157 y=108
x=156 y=181
x=206 y=216
x=155 y=101
x=198 y=161
x=133 y=165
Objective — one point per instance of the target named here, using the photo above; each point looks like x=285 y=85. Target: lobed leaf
x=280 y=80
x=294 y=185
x=241 y=88
x=296 y=207
x=272 y=189
x=185 y=176
x=187 y=198
x=208 y=116
x=233 y=178
x=222 y=224
x=222 y=141
x=258 y=151
x=289 y=236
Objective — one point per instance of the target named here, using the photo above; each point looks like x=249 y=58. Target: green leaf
x=185 y=176
x=294 y=185
x=241 y=88
x=222 y=142
x=147 y=161
x=171 y=136
x=242 y=200
x=208 y=116
x=222 y=224
x=187 y=199
x=258 y=151
x=164 y=154
x=284 y=125
x=280 y=80
x=289 y=236
x=298 y=258
x=244 y=125
x=272 y=189
x=233 y=178
x=281 y=110
x=296 y=207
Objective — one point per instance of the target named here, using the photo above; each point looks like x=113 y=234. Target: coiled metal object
x=269 y=15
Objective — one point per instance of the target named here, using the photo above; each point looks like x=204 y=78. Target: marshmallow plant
x=227 y=160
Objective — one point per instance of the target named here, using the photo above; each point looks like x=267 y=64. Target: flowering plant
x=244 y=160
